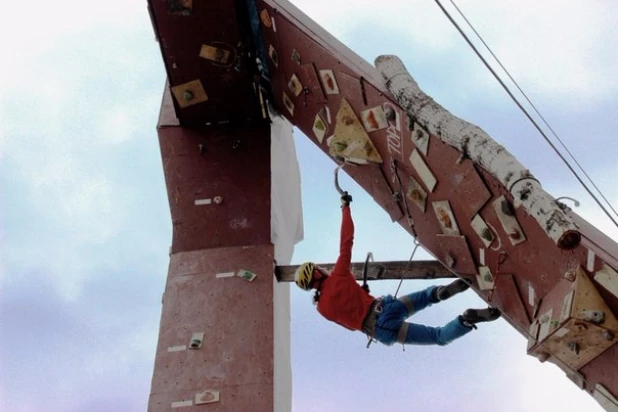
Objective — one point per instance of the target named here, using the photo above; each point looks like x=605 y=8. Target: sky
x=85 y=226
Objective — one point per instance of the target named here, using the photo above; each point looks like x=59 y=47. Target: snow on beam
x=416 y=269
x=477 y=145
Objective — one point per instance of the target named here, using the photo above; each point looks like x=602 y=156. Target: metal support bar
x=416 y=269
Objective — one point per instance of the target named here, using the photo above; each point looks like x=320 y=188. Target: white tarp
x=286 y=217
x=286 y=213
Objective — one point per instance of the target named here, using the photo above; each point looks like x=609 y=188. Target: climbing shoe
x=453 y=288
x=473 y=316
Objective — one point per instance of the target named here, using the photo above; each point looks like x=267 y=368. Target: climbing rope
x=416 y=245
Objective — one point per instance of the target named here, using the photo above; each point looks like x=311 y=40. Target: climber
x=340 y=299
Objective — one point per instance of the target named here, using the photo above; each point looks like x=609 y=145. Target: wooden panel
x=457 y=248
x=467 y=184
x=511 y=300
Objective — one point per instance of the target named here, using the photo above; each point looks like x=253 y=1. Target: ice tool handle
x=365 y=267
x=341 y=192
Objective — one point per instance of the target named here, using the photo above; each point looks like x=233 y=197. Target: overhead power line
x=520 y=106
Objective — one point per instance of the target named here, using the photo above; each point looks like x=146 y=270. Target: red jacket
x=342 y=300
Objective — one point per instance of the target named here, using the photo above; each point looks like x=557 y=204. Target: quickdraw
x=402 y=197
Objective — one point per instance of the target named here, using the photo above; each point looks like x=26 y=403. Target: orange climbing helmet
x=304 y=275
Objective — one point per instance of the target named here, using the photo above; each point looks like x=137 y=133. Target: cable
x=525 y=112
x=535 y=125
x=533 y=106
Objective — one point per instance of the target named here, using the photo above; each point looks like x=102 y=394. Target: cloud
x=78 y=351
x=569 y=62
x=74 y=138
x=47 y=22
x=567 y=38
x=85 y=222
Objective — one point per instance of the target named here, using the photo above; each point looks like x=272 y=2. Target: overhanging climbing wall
x=468 y=202
x=465 y=198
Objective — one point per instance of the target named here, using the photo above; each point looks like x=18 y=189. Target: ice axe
x=341 y=192
x=346 y=198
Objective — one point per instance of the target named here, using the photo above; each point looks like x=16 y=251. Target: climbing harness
x=369 y=324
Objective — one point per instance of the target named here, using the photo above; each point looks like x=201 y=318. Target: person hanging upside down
x=340 y=299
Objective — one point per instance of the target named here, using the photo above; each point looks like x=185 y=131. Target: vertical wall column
x=216 y=336
x=215 y=349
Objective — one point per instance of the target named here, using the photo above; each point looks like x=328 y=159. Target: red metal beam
x=430 y=188
x=218 y=185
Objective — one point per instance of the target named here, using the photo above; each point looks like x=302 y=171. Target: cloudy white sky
x=85 y=227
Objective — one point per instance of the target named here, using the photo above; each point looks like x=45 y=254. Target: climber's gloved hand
x=346 y=199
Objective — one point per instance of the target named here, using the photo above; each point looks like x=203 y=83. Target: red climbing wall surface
x=563 y=298
x=459 y=212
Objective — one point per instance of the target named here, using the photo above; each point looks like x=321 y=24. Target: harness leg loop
x=403 y=331
x=408 y=303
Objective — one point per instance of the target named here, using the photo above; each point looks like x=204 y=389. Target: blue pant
x=396 y=311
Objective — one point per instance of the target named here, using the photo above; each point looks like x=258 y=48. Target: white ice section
x=480 y=148
x=286 y=231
